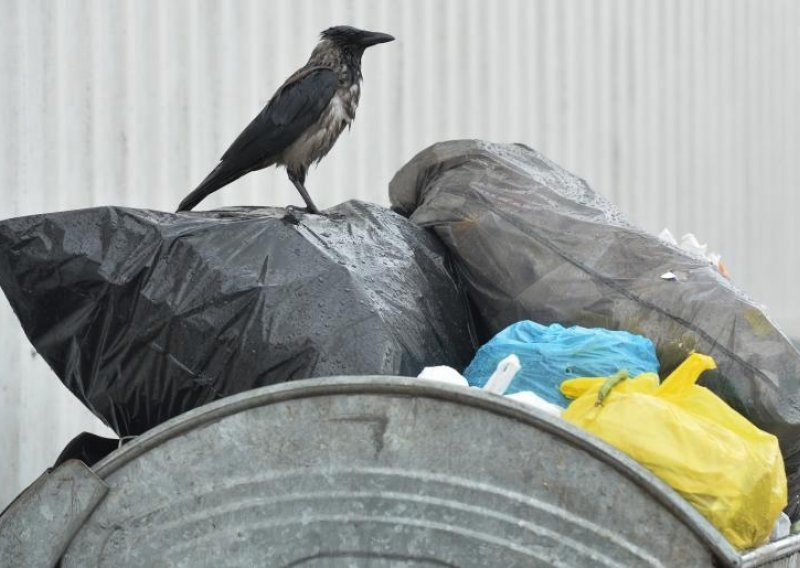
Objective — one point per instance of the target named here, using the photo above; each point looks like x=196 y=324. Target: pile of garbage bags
x=729 y=470
x=532 y=241
x=144 y=315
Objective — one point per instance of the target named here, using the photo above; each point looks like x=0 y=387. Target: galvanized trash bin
x=364 y=471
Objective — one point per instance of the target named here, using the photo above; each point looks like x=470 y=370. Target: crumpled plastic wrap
x=146 y=314
x=550 y=354
x=729 y=470
x=533 y=241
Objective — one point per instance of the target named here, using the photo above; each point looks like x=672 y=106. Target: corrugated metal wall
x=685 y=112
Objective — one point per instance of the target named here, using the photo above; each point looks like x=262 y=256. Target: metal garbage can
x=365 y=471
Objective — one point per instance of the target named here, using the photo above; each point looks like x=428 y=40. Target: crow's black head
x=350 y=37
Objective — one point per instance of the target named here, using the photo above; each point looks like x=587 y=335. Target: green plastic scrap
x=610 y=383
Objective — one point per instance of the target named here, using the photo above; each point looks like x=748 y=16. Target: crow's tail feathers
x=219 y=177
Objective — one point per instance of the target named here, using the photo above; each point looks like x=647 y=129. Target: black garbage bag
x=87 y=447
x=533 y=241
x=146 y=314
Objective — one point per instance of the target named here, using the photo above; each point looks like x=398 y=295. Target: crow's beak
x=372 y=38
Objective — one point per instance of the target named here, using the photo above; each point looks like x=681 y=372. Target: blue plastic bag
x=551 y=354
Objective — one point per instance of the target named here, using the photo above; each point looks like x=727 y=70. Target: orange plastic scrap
x=728 y=469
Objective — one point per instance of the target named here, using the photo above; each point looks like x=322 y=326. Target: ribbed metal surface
x=382 y=471
x=681 y=111
x=39 y=525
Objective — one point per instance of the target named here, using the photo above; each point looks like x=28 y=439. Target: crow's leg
x=297 y=179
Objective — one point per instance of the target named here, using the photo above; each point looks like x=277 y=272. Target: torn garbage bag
x=532 y=241
x=145 y=314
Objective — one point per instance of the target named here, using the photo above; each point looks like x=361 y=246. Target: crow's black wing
x=293 y=108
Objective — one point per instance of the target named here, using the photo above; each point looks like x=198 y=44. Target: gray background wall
x=684 y=112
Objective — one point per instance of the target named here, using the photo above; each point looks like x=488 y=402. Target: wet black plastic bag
x=533 y=241
x=145 y=314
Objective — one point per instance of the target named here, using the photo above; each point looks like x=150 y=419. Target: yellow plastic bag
x=728 y=469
